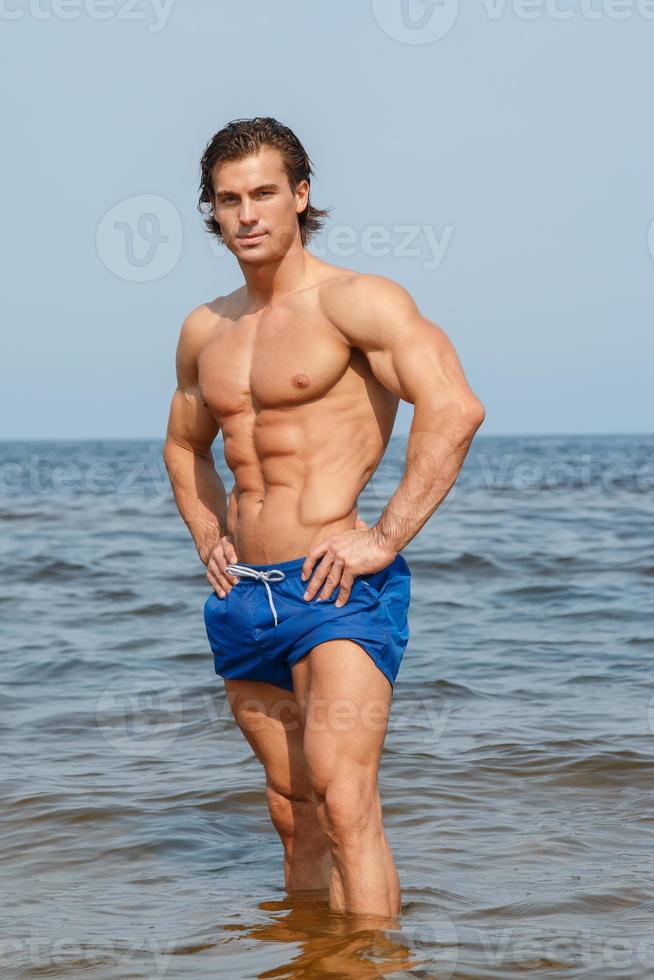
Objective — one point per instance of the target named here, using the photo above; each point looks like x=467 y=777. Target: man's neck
x=266 y=283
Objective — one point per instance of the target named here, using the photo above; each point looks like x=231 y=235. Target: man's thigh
x=271 y=721
x=346 y=703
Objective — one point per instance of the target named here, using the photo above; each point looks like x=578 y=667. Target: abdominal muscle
x=298 y=475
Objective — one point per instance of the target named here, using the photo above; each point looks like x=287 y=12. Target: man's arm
x=413 y=358
x=199 y=492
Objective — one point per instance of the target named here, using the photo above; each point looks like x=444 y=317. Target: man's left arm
x=412 y=357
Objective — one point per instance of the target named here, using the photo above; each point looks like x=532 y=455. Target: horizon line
x=394 y=435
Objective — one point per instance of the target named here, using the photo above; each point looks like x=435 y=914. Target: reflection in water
x=329 y=944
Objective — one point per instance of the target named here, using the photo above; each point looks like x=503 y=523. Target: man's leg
x=346 y=701
x=271 y=721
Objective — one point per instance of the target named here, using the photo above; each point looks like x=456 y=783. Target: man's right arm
x=199 y=492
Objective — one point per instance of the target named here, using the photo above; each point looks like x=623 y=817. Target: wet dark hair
x=241 y=138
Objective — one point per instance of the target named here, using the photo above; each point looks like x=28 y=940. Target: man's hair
x=242 y=138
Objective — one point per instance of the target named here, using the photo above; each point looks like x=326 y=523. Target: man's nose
x=247 y=215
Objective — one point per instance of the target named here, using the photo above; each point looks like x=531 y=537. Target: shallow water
x=518 y=771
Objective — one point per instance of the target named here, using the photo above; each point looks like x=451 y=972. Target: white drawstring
x=272 y=575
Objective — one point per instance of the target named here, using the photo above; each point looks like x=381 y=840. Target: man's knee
x=290 y=813
x=348 y=807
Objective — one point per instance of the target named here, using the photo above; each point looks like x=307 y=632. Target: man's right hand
x=222 y=555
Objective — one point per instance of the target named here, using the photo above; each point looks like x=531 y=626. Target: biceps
x=419 y=363
x=190 y=424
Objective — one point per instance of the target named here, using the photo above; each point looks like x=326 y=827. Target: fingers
x=230 y=552
x=312 y=558
x=347 y=581
x=331 y=580
x=220 y=579
x=217 y=576
x=327 y=579
x=327 y=574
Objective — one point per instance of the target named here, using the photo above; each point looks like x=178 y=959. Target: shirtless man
x=302 y=369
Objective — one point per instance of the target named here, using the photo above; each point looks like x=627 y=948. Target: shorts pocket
x=367 y=585
x=214 y=608
x=299 y=588
x=360 y=583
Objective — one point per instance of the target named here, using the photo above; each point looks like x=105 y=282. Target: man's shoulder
x=361 y=286
x=207 y=314
x=197 y=330
x=362 y=298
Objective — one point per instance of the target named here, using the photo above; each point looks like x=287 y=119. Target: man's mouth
x=252 y=239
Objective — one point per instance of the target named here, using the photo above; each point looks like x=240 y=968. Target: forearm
x=437 y=447
x=199 y=494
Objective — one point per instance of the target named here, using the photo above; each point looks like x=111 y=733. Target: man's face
x=255 y=207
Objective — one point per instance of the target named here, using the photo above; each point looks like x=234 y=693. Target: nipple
x=301 y=380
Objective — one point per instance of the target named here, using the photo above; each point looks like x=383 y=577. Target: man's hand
x=356 y=552
x=222 y=555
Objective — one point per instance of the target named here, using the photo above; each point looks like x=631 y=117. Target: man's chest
x=275 y=363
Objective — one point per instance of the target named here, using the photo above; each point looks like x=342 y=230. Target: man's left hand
x=356 y=552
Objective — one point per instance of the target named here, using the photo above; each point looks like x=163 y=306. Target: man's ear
x=301 y=208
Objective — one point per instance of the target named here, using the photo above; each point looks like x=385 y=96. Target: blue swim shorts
x=263 y=625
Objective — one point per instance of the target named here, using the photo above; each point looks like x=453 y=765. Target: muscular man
x=302 y=369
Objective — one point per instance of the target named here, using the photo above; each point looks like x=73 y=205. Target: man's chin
x=254 y=256
x=265 y=251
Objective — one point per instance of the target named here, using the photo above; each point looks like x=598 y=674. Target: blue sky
x=495 y=158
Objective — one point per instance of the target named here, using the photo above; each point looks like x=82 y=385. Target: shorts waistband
x=294 y=564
